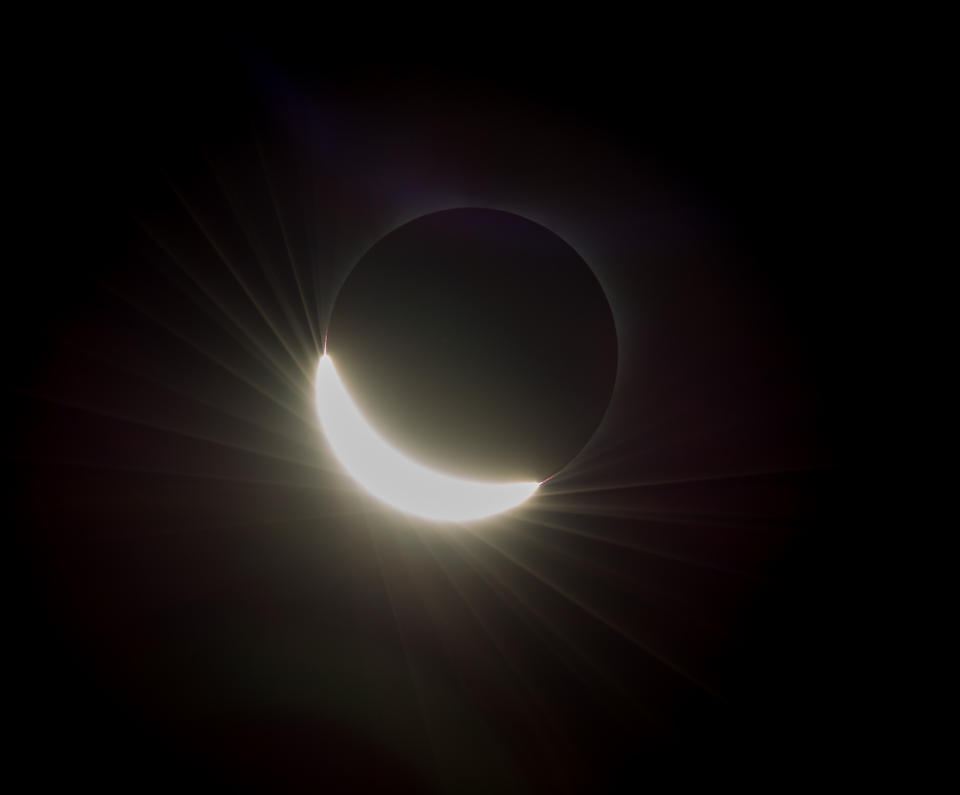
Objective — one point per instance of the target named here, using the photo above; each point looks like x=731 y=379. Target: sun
x=395 y=479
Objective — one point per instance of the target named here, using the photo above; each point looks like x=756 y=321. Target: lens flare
x=393 y=478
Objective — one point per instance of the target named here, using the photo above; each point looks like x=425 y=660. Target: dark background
x=203 y=600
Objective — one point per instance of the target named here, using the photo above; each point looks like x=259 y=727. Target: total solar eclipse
x=474 y=344
x=467 y=425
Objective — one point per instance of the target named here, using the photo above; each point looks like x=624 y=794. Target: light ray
x=634 y=546
x=308 y=311
x=236 y=275
x=537 y=619
x=294 y=411
x=611 y=624
x=293 y=318
x=246 y=339
x=204 y=403
x=167 y=428
x=561 y=491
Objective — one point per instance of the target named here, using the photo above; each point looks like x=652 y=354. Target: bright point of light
x=393 y=478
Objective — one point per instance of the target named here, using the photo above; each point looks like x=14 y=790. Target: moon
x=478 y=342
x=395 y=479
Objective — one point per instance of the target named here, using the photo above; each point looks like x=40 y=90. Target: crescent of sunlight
x=393 y=478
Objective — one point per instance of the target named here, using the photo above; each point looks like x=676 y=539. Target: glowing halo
x=396 y=480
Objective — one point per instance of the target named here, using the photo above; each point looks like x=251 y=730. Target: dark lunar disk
x=477 y=342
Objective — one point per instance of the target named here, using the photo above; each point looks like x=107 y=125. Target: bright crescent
x=393 y=478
